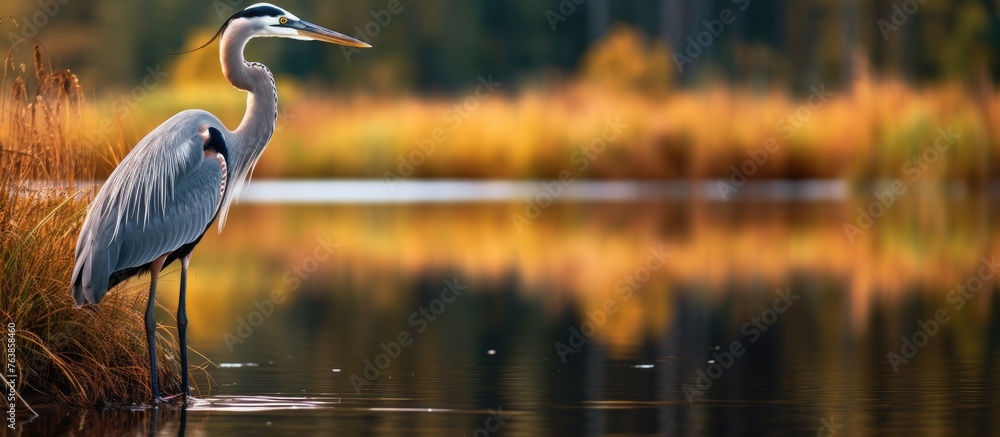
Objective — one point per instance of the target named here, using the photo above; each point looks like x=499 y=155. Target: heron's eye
x=283 y=20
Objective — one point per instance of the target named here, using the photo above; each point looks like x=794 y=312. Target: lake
x=635 y=315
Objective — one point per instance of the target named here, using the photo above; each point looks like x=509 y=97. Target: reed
x=66 y=355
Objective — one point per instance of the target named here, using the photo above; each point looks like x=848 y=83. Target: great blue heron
x=165 y=194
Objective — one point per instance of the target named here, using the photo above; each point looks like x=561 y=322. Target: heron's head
x=267 y=20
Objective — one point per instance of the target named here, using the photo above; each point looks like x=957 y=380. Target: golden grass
x=868 y=131
x=863 y=134
x=84 y=357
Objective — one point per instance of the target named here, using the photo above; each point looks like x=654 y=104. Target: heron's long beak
x=318 y=33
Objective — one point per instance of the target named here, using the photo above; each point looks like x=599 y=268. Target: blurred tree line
x=443 y=45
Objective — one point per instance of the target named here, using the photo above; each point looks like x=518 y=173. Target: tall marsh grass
x=866 y=131
x=66 y=355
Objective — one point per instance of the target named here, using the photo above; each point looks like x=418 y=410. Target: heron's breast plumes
x=211 y=154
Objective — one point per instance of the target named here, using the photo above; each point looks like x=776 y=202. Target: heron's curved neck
x=258 y=123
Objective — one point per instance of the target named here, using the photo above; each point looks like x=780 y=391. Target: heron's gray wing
x=163 y=195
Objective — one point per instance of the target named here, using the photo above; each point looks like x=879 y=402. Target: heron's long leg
x=182 y=322
x=154 y=271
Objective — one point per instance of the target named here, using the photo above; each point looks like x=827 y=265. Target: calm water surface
x=627 y=318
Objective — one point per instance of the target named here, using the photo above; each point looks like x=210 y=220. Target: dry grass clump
x=65 y=355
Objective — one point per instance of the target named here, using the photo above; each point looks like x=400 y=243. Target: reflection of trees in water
x=575 y=255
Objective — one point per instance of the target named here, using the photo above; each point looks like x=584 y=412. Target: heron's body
x=139 y=215
x=164 y=196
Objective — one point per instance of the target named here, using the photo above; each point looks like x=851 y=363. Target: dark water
x=764 y=319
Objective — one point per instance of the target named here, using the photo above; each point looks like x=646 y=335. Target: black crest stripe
x=260 y=11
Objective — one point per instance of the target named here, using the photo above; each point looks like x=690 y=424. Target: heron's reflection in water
x=181 y=424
